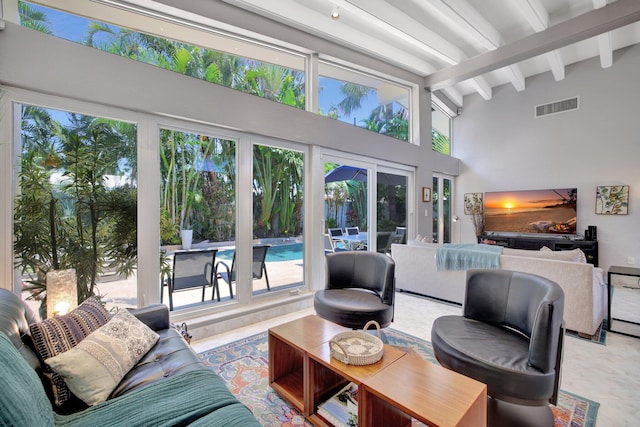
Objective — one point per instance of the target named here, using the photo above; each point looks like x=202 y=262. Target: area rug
x=244 y=366
x=600 y=337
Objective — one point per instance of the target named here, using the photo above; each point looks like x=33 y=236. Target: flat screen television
x=550 y=211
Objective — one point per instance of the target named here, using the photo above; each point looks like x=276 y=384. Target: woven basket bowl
x=357 y=347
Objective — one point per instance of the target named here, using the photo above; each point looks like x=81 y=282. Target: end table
x=620 y=271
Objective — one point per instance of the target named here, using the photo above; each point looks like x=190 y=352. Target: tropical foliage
x=197 y=184
x=74 y=209
x=440 y=143
x=197 y=171
x=389 y=119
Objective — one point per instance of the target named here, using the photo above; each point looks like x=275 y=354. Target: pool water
x=277 y=253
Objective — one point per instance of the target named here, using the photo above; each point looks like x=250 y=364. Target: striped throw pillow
x=54 y=336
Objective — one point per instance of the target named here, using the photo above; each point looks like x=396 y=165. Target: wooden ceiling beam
x=590 y=24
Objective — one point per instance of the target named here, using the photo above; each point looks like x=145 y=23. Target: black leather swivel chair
x=510 y=337
x=360 y=286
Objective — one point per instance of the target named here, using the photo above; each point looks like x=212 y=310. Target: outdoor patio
x=122 y=293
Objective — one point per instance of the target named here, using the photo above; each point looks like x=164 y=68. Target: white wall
x=502 y=146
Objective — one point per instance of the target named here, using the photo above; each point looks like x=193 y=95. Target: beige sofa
x=584 y=286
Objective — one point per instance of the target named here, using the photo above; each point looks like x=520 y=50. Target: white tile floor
x=607 y=374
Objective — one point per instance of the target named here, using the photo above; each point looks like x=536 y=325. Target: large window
x=358 y=97
x=76 y=205
x=365 y=101
x=278 y=190
x=266 y=80
x=232 y=190
x=197 y=211
x=440 y=131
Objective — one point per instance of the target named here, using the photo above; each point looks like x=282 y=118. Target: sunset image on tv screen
x=531 y=211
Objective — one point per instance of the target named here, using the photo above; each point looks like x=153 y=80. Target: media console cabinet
x=589 y=247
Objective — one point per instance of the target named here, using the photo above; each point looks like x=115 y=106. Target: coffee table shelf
x=286 y=371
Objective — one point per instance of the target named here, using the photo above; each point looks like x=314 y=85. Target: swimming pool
x=276 y=253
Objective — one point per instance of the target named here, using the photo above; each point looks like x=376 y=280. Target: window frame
x=209 y=34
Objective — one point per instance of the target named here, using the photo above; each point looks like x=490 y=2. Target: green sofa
x=194 y=396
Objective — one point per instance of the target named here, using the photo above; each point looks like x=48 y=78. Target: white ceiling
x=425 y=36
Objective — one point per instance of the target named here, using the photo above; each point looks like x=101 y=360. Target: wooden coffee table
x=392 y=391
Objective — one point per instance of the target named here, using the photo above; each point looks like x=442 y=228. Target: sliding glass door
x=442 y=199
x=392 y=208
x=347 y=204
x=367 y=203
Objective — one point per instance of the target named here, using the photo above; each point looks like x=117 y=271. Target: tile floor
x=607 y=374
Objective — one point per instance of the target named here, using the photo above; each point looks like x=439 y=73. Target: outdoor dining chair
x=352 y=231
x=335 y=233
x=228 y=274
x=331 y=246
x=400 y=235
x=383 y=241
x=192 y=269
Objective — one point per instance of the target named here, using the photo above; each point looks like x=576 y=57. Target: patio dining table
x=353 y=241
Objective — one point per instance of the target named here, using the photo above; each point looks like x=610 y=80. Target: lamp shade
x=62 y=292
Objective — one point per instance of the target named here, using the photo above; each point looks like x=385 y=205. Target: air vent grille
x=557 y=107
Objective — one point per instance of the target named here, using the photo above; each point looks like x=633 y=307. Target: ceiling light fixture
x=335 y=13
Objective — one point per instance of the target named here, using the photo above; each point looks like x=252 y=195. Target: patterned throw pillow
x=59 y=334
x=93 y=368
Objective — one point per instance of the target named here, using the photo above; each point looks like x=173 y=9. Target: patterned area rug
x=244 y=364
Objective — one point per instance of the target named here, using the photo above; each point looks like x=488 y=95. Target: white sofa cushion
x=574 y=255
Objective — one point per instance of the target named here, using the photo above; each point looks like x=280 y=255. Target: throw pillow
x=59 y=334
x=574 y=255
x=94 y=367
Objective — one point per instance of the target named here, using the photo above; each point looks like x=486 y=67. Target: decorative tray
x=357 y=347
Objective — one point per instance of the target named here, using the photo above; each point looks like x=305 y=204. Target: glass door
x=442 y=199
x=391 y=208
x=346 y=209
x=366 y=205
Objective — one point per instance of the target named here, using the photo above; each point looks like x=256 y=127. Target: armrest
x=155 y=316
x=226 y=267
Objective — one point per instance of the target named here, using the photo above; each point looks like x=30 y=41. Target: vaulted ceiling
x=460 y=47
x=467 y=46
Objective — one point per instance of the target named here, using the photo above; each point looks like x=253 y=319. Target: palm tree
x=439 y=142
x=33 y=18
x=354 y=94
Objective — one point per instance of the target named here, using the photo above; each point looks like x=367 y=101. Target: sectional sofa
x=583 y=284
x=168 y=386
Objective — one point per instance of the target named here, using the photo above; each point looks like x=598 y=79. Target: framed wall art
x=473 y=203
x=612 y=200
x=426 y=194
